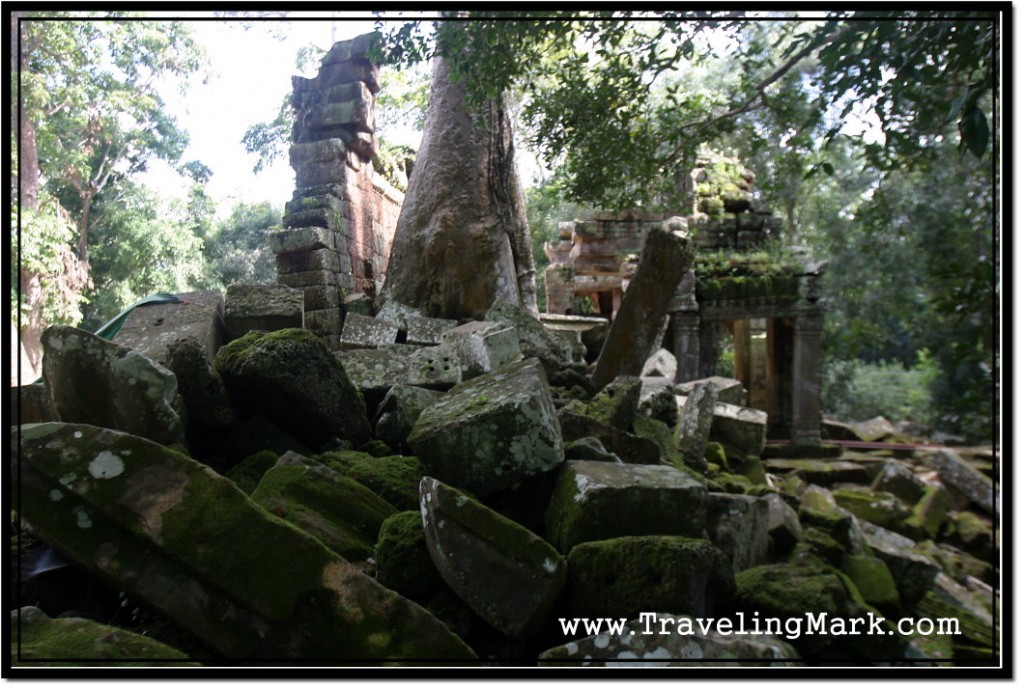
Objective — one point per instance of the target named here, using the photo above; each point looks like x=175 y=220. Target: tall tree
x=462 y=241
x=91 y=115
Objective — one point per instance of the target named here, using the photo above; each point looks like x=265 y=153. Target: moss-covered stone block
x=395 y=479
x=492 y=432
x=248 y=473
x=37 y=640
x=340 y=512
x=174 y=534
x=738 y=525
x=932 y=512
x=403 y=561
x=505 y=573
x=616 y=404
x=874 y=581
x=594 y=500
x=625 y=576
x=292 y=379
x=880 y=508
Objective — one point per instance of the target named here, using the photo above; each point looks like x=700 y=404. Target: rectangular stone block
x=436 y=367
x=323 y=217
x=738 y=525
x=301 y=240
x=314 y=201
x=958 y=474
x=325 y=323
x=313 y=260
x=483 y=346
x=304 y=279
x=729 y=390
x=742 y=431
x=151 y=328
x=262 y=308
x=597 y=500
x=366 y=332
x=492 y=432
x=321 y=297
x=320 y=150
x=320 y=173
x=352 y=91
x=426 y=330
x=350 y=71
x=358 y=114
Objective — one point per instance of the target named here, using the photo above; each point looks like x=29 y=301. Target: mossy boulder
x=594 y=500
x=292 y=379
x=880 y=508
x=625 y=576
x=505 y=573
x=173 y=534
x=396 y=479
x=340 y=512
x=614 y=405
x=39 y=640
x=874 y=581
x=931 y=513
x=402 y=559
x=398 y=412
x=91 y=381
x=630 y=448
x=912 y=571
x=492 y=432
x=804 y=592
x=738 y=525
x=248 y=473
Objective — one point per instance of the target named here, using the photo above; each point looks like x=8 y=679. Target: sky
x=251 y=74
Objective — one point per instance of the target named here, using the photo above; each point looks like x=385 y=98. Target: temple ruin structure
x=340 y=222
x=740 y=289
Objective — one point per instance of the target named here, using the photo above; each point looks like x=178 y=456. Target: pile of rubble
x=438 y=493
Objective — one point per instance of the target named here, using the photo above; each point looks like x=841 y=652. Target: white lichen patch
x=549 y=565
x=56 y=495
x=82 y=519
x=571 y=648
x=66 y=480
x=77 y=435
x=106 y=465
x=601 y=641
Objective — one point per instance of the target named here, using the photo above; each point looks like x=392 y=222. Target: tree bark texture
x=462 y=240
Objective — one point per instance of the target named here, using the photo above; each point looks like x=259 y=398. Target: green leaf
x=827 y=168
x=974 y=133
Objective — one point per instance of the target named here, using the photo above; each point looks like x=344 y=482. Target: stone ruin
x=773 y=313
x=428 y=492
x=340 y=222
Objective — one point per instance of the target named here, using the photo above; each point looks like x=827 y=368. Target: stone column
x=684 y=315
x=333 y=223
x=808 y=329
x=711 y=334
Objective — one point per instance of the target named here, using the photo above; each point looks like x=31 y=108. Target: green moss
x=874 y=581
x=403 y=561
x=880 y=508
x=247 y=474
x=65 y=641
x=342 y=513
x=396 y=479
x=823 y=545
x=785 y=590
x=931 y=512
x=623 y=576
x=714 y=453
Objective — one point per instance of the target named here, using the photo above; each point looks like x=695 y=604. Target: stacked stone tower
x=340 y=221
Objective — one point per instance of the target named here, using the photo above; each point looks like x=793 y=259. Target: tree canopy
x=601 y=81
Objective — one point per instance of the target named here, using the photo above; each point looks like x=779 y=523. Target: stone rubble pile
x=437 y=493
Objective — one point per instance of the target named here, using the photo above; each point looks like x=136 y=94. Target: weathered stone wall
x=340 y=222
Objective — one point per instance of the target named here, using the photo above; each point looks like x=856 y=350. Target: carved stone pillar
x=686 y=344
x=711 y=334
x=808 y=329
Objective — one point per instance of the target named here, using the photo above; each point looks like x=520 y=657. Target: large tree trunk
x=31 y=323
x=462 y=240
